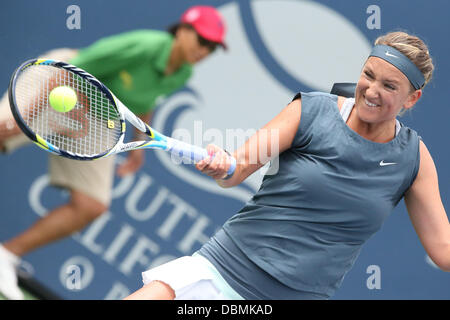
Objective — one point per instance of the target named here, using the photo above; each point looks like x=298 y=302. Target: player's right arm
x=257 y=150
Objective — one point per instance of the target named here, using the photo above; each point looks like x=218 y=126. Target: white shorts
x=192 y=278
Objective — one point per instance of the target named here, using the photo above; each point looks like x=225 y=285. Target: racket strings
x=92 y=127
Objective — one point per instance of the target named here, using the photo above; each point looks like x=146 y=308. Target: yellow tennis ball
x=62 y=99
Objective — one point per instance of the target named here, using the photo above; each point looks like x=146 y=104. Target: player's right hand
x=216 y=164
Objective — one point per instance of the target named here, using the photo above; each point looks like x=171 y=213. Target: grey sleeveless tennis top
x=302 y=231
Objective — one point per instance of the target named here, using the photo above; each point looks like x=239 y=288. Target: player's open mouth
x=370 y=104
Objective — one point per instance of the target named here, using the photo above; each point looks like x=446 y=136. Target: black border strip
x=38 y=290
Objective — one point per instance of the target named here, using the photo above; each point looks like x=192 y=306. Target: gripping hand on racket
x=216 y=164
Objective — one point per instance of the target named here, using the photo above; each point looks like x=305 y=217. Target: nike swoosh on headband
x=401 y=62
x=390 y=54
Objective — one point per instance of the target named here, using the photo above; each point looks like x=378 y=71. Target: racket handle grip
x=194 y=153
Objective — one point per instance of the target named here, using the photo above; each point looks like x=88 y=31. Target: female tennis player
x=344 y=164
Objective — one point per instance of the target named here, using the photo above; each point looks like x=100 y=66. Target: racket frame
x=158 y=140
x=36 y=138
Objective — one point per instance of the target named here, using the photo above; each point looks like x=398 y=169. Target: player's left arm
x=135 y=158
x=427 y=213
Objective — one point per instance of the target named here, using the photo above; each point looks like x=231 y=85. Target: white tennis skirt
x=192 y=278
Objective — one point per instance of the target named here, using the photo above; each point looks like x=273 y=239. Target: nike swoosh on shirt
x=382 y=163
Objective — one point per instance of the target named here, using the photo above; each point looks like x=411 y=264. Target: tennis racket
x=94 y=128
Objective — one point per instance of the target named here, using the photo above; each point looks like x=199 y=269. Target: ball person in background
x=138 y=66
x=344 y=164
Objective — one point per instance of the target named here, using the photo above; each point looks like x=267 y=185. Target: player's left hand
x=132 y=164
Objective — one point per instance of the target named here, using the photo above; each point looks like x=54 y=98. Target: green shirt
x=132 y=66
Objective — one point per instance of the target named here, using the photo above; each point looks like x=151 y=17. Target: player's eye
x=368 y=74
x=389 y=86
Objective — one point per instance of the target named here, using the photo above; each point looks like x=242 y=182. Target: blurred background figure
x=139 y=67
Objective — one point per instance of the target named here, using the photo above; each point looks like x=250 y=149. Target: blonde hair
x=413 y=48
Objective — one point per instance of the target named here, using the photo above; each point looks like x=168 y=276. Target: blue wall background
x=28 y=28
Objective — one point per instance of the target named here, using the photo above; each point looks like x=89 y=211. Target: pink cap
x=207 y=21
